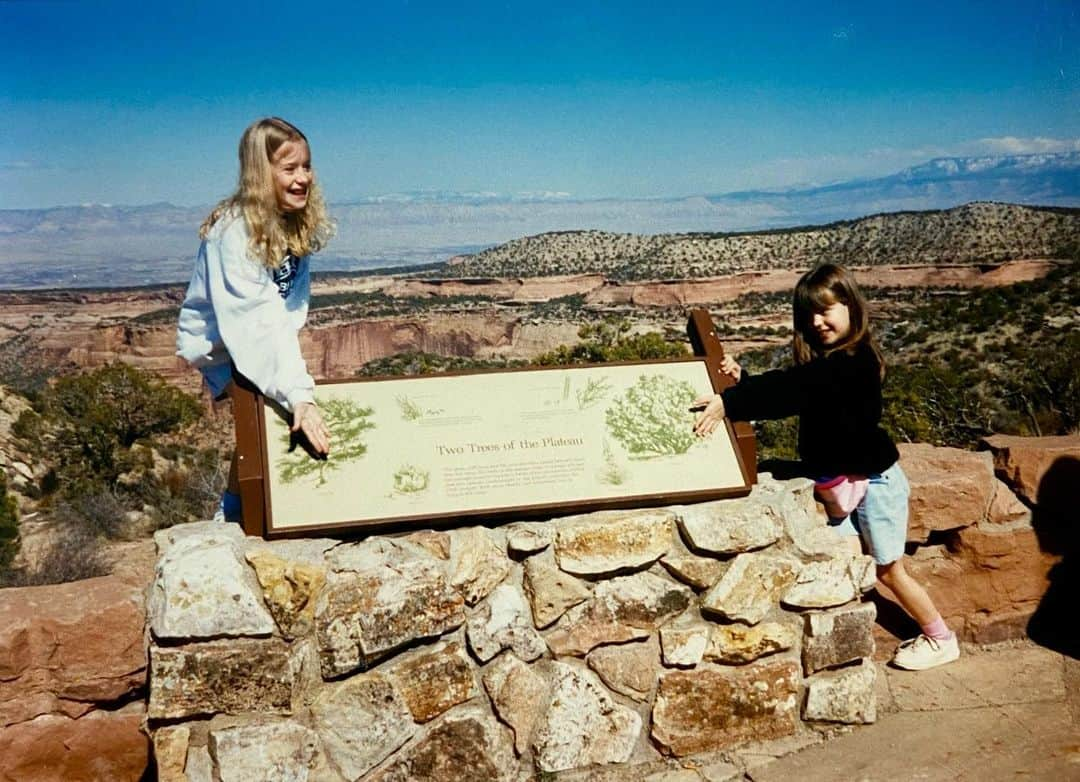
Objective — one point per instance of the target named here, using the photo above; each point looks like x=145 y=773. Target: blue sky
x=129 y=103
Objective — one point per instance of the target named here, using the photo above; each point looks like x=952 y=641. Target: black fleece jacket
x=838 y=400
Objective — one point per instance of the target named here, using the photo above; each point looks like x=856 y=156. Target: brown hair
x=816 y=290
x=271 y=233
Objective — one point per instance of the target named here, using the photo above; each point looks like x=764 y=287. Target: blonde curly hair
x=272 y=234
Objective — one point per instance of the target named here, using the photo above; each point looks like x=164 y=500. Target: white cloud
x=1011 y=145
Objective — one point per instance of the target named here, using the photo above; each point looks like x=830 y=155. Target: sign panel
x=515 y=443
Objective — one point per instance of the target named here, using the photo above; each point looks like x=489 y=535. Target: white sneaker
x=918 y=654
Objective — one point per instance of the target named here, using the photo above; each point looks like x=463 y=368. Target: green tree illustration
x=593 y=392
x=653 y=417
x=410 y=479
x=347 y=421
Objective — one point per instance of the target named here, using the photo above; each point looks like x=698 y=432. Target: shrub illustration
x=593 y=392
x=347 y=421
x=410 y=480
x=410 y=411
x=611 y=472
x=653 y=417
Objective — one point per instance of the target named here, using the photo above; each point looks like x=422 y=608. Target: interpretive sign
x=487 y=444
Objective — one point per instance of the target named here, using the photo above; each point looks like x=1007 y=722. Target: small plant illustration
x=611 y=472
x=593 y=393
x=347 y=421
x=566 y=388
x=653 y=417
x=410 y=411
x=410 y=480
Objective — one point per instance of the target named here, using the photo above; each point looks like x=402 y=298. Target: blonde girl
x=835 y=389
x=249 y=292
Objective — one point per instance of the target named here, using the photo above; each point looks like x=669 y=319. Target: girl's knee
x=890 y=573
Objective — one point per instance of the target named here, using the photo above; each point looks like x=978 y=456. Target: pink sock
x=937 y=630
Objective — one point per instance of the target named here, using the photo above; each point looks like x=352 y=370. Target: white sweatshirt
x=234 y=311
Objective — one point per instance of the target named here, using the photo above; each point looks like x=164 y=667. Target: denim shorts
x=881 y=518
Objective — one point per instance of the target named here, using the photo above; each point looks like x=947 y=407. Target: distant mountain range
x=115 y=246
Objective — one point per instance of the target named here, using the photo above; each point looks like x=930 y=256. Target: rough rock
x=684 y=644
x=751 y=586
x=434 y=680
x=738 y=644
x=610 y=541
x=950 y=488
x=1022 y=461
x=199 y=766
x=64 y=647
x=230 y=677
x=268 y=751
x=502 y=622
x=361 y=721
x=203 y=588
x=524 y=539
x=698 y=572
x=515 y=690
x=832 y=582
x=170 y=752
x=465 y=744
x=730 y=526
x=478 y=565
x=837 y=637
x=621 y=609
x=437 y=544
x=709 y=709
x=380 y=596
x=581 y=724
x=551 y=592
x=845 y=695
x=628 y=669
x=1006 y=507
x=101 y=745
x=290 y=589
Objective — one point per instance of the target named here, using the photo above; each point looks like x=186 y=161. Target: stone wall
x=619 y=637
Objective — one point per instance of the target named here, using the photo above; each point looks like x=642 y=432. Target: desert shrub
x=777 y=439
x=418 y=363
x=9 y=526
x=100 y=511
x=97 y=417
x=611 y=340
x=74 y=555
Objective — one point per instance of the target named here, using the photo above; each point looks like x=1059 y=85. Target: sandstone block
x=64 y=646
x=837 y=637
x=524 y=539
x=516 y=689
x=684 y=644
x=1006 y=507
x=503 y=622
x=832 y=582
x=170 y=752
x=465 y=744
x=708 y=709
x=751 y=586
x=730 y=526
x=380 y=596
x=845 y=695
x=100 y=745
x=628 y=669
x=551 y=591
x=434 y=680
x=610 y=541
x=268 y=751
x=227 y=677
x=738 y=644
x=698 y=572
x=950 y=488
x=203 y=589
x=1022 y=461
x=477 y=563
x=582 y=725
x=360 y=721
x=290 y=589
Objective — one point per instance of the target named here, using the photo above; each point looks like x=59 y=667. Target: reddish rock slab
x=65 y=646
x=103 y=745
x=950 y=488
x=709 y=709
x=1023 y=461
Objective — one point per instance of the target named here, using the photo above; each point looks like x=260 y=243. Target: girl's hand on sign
x=731 y=368
x=308 y=419
x=712 y=414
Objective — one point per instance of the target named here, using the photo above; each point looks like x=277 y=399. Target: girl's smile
x=291 y=165
x=832 y=324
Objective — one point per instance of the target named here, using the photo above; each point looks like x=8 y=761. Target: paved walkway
x=1008 y=712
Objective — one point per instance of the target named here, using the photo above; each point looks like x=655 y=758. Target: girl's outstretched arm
x=712 y=414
